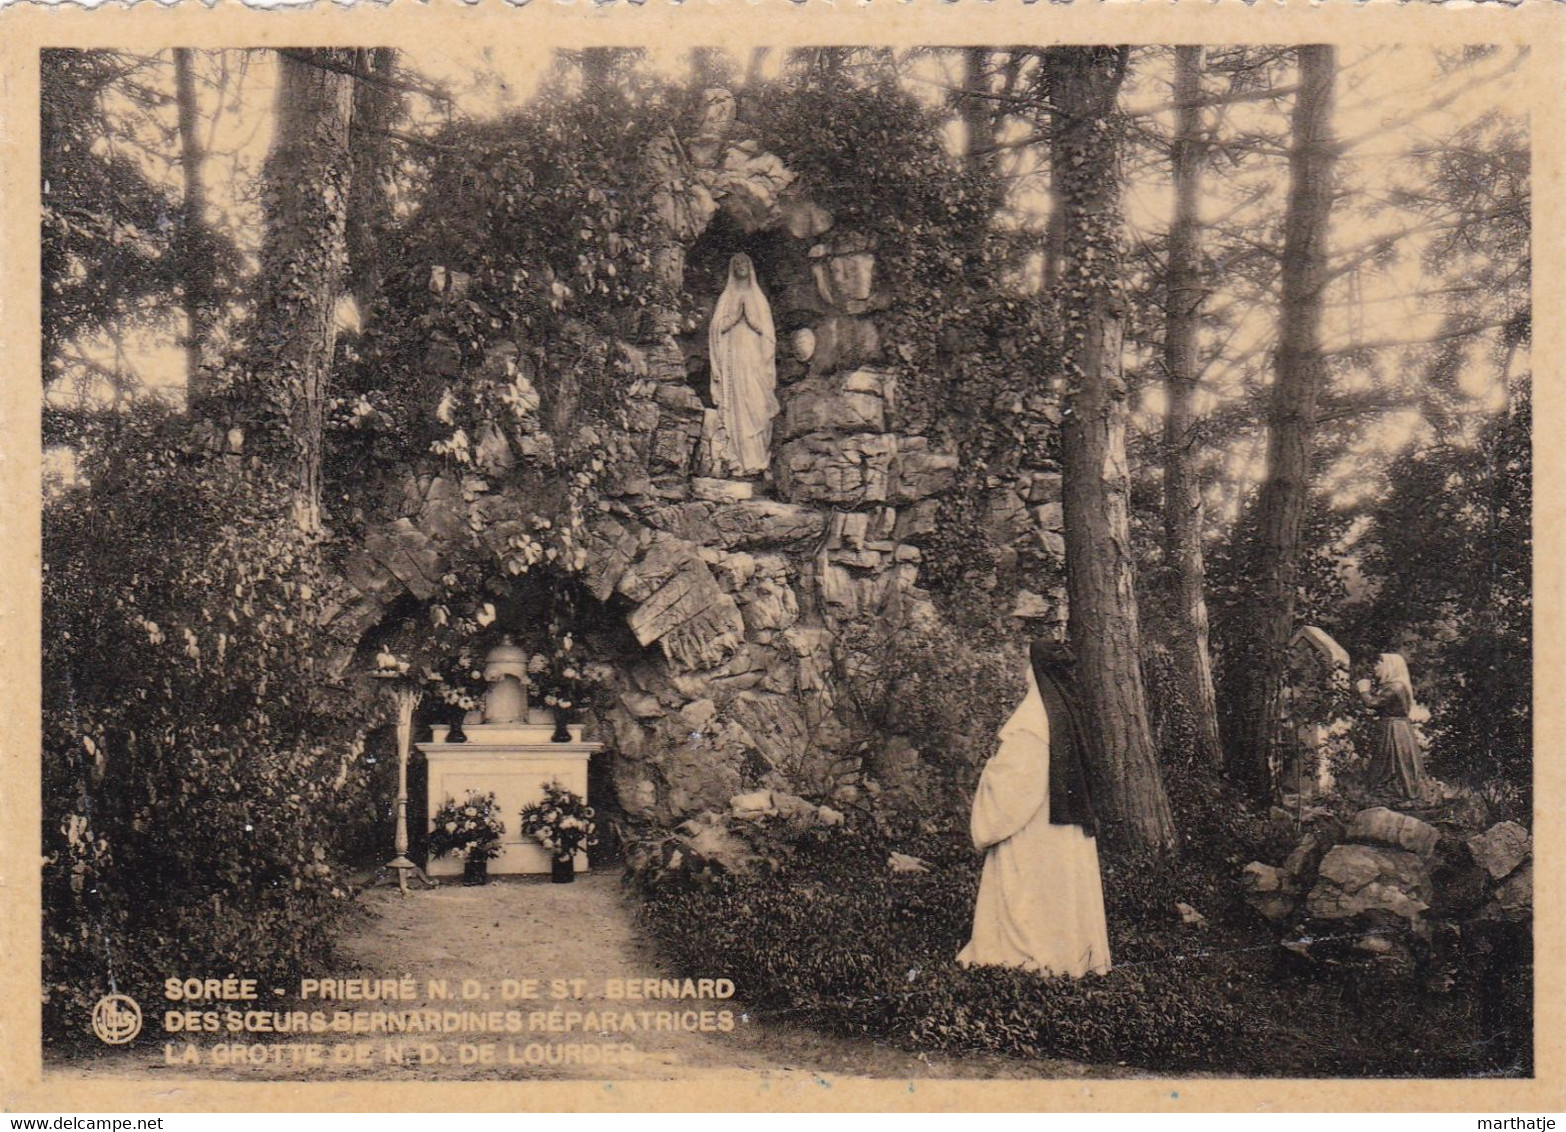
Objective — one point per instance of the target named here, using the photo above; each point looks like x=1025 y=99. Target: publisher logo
x=116 y=1019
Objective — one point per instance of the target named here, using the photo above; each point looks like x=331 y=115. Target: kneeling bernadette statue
x=1041 y=898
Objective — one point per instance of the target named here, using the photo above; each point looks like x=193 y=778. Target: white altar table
x=515 y=761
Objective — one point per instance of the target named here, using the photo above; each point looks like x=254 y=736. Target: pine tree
x=1084 y=83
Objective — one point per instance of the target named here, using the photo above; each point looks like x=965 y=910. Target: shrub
x=199 y=779
x=924 y=682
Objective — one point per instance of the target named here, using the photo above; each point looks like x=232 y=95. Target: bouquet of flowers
x=557 y=679
x=458 y=681
x=564 y=679
x=563 y=822
x=471 y=828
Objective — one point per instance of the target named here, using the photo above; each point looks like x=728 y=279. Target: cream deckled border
x=25 y=27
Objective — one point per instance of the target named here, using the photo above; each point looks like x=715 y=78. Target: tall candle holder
x=392 y=673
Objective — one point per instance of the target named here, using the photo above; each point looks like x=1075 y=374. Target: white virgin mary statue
x=1041 y=897
x=743 y=346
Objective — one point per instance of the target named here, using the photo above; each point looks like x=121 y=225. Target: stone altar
x=516 y=761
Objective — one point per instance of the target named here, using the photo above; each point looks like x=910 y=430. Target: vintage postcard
x=781 y=556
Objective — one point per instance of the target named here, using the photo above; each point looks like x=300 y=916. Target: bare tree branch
x=1469 y=331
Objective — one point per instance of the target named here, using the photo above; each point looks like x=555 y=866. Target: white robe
x=744 y=376
x=1041 y=899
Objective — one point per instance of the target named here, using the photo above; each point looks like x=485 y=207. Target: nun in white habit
x=743 y=348
x=1041 y=898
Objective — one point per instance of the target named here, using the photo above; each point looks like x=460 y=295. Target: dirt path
x=487 y=941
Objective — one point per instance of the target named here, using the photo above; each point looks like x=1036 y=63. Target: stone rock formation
x=1381 y=826
x=1269 y=890
x=737 y=589
x=1389 y=887
x=1355 y=879
x=1501 y=848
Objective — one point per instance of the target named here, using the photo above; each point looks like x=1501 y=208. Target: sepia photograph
x=665 y=563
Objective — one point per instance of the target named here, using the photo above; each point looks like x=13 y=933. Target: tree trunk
x=826 y=67
x=1183 y=520
x=757 y=60
x=304 y=254
x=1054 y=234
x=978 y=112
x=1299 y=373
x=1084 y=155
x=376 y=109
x=981 y=119
x=196 y=266
x=597 y=69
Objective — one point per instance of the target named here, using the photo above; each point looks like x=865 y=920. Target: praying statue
x=743 y=346
x=1396 y=761
x=1041 y=897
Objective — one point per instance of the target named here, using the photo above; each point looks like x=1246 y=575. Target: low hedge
x=838 y=940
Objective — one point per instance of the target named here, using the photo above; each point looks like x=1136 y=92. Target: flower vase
x=562 y=870
x=562 y=730
x=475 y=870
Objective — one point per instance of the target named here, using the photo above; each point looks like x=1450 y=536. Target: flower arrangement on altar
x=554 y=677
x=563 y=679
x=560 y=678
x=471 y=828
x=562 y=822
x=458 y=681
